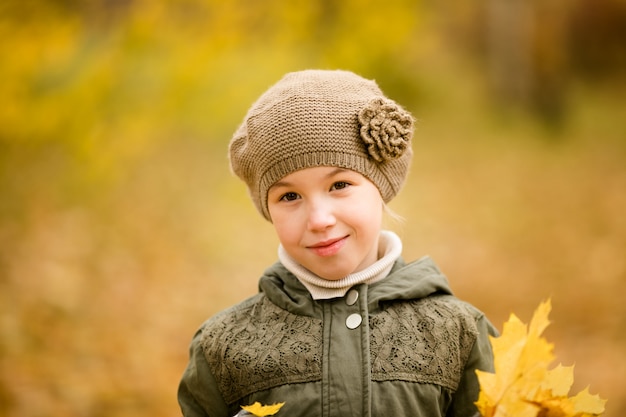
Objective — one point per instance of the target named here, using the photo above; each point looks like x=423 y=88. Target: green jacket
x=404 y=346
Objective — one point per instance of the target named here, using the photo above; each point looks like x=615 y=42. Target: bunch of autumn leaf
x=522 y=385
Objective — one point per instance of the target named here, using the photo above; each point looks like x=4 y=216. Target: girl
x=342 y=326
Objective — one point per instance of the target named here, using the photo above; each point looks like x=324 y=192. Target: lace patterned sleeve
x=198 y=395
x=481 y=357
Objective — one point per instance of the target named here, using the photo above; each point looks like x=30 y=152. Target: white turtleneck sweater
x=389 y=249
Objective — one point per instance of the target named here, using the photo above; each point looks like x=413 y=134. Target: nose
x=320 y=214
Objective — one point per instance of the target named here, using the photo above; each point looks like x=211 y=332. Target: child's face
x=328 y=219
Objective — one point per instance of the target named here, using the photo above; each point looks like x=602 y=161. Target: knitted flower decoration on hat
x=386 y=129
x=322 y=118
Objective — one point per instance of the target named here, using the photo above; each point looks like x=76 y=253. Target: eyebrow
x=329 y=175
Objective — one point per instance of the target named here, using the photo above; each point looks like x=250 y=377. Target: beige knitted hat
x=322 y=118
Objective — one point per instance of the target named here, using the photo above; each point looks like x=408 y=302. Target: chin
x=334 y=275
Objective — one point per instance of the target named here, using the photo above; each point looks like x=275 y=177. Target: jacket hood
x=410 y=281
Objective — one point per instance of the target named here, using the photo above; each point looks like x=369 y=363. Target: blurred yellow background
x=122 y=229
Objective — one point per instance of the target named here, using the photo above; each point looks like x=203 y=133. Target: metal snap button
x=352 y=296
x=353 y=321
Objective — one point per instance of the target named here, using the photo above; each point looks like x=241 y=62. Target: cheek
x=367 y=220
x=369 y=211
x=373 y=218
x=285 y=228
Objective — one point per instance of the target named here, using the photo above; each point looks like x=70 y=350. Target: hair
x=393 y=215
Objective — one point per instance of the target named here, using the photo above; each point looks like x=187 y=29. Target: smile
x=328 y=247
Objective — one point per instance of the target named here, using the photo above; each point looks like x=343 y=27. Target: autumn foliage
x=522 y=385
x=121 y=228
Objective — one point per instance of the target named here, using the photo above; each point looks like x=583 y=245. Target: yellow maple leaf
x=587 y=404
x=558 y=381
x=522 y=384
x=259 y=410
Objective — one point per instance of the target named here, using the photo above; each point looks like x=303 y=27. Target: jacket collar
x=410 y=281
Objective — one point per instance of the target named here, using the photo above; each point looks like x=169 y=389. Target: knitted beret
x=322 y=118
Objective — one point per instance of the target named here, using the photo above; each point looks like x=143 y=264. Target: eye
x=339 y=185
x=290 y=196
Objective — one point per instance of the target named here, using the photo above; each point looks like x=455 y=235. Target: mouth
x=328 y=247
